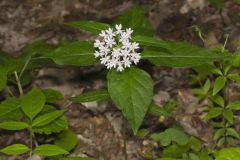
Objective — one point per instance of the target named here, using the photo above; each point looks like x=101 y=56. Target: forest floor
x=100 y=127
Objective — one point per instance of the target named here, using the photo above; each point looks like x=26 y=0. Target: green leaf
x=4 y=57
x=214 y=112
x=36 y=48
x=217 y=3
x=237 y=1
x=15 y=149
x=77 y=158
x=12 y=125
x=142 y=133
x=157 y=110
x=66 y=140
x=218 y=100
x=174 y=151
x=234 y=77
x=90 y=26
x=49 y=150
x=218 y=84
x=52 y=95
x=206 y=86
x=234 y=105
x=3 y=78
x=135 y=18
x=35 y=54
x=76 y=53
x=11 y=109
x=166 y=159
x=176 y=54
x=228 y=115
x=194 y=144
x=232 y=132
x=228 y=154
x=169 y=135
x=55 y=126
x=193 y=156
x=219 y=133
x=91 y=96
x=47 y=118
x=33 y=102
x=132 y=92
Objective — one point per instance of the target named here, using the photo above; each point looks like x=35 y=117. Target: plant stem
x=226 y=99
x=31 y=142
x=9 y=91
x=18 y=84
x=25 y=66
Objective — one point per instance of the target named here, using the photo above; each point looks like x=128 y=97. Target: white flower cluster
x=115 y=48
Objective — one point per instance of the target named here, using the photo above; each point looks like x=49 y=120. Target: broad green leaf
x=206 y=86
x=3 y=78
x=169 y=135
x=90 y=26
x=4 y=57
x=174 y=151
x=194 y=144
x=47 y=118
x=218 y=84
x=77 y=158
x=157 y=110
x=214 y=112
x=49 y=150
x=132 y=92
x=142 y=133
x=176 y=54
x=193 y=156
x=234 y=77
x=228 y=115
x=13 y=125
x=66 y=140
x=15 y=149
x=234 y=105
x=55 y=126
x=228 y=154
x=52 y=95
x=76 y=53
x=205 y=69
x=219 y=133
x=136 y=19
x=166 y=159
x=36 y=48
x=26 y=78
x=35 y=54
x=232 y=132
x=91 y=96
x=58 y=125
x=11 y=109
x=218 y=99
x=33 y=102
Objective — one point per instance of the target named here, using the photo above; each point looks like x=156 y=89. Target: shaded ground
x=100 y=126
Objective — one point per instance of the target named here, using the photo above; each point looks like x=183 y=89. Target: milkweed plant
x=120 y=47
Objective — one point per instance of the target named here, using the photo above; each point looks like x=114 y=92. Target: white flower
x=115 y=48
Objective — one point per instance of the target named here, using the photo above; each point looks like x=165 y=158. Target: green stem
x=18 y=84
x=31 y=142
x=9 y=91
x=226 y=98
x=25 y=66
